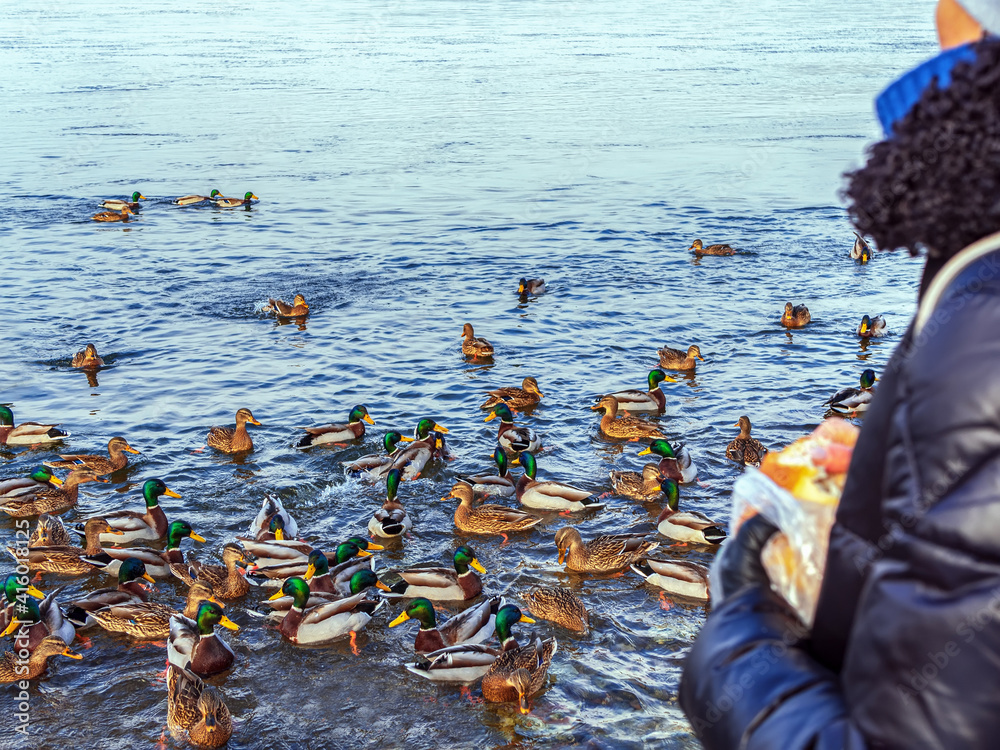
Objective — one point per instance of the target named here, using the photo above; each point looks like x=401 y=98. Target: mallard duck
x=304 y=624
x=229 y=440
x=374 y=461
x=150 y=526
x=500 y=484
x=861 y=251
x=474 y=625
x=270 y=509
x=652 y=400
x=854 y=400
x=515 y=440
x=149 y=621
x=158 y=563
x=391 y=519
x=676 y=462
x=558 y=605
x=686 y=526
x=34 y=620
x=247 y=198
x=51 y=500
x=623 y=426
x=193 y=645
x=519 y=674
x=467 y=662
x=551 y=495
x=12 y=669
x=530 y=287
x=49 y=532
x=348 y=559
x=66 y=559
x=795 y=317
x=38 y=479
x=679 y=577
x=745 y=449
x=701 y=249
x=87 y=358
x=338 y=433
x=675 y=359
x=27 y=433
x=488 y=518
x=517 y=399
x=226 y=580
x=603 y=554
x=426 y=444
x=872 y=328
x=115 y=204
x=116 y=460
x=644 y=487
x=128 y=591
x=197 y=710
x=15 y=586
x=442 y=584
x=190 y=200
x=282 y=309
x=121 y=215
x=477 y=348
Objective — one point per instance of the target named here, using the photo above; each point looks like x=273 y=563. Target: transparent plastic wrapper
x=798 y=489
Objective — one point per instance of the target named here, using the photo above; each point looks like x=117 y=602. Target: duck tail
x=77 y=616
x=714 y=535
x=642 y=568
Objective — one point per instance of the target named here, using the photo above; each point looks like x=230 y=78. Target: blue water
x=413 y=161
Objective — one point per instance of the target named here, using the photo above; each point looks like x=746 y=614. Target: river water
x=413 y=161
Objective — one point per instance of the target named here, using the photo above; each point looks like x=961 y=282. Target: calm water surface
x=413 y=161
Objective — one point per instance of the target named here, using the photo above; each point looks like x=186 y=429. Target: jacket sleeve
x=749 y=683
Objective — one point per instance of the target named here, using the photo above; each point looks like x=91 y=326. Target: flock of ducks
x=124 y=209
x=330 y=591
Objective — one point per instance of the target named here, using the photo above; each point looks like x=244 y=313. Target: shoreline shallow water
x=412 y=164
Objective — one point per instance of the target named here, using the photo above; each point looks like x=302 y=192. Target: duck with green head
x=325 y=621
x=27 y=433
x=513 y=439
x=149 y=526
x=689 y=526
x=248 y=198
x=652 y=400
x=551 y=495
x=158 y=562
x=35 y=501
x=675 y=462
x=39 y=478
x=488 y=484
x=366 y=465
x=260 y=527
x=861 y=251
x=459 y=583
x=391 y=520
x=130 y=590
x=32 y=621
x=426 y=444
x=193 y=644
x=467 y=662
x=474 y=625
x=190 y=200
x=347 y=560
x=15 y=586
x=854 y=400
x=872 y=327
x=114 y=204
x=338 y=434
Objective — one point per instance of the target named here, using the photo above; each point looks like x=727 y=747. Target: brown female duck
x=518 y=399
x=116 y=460
x=675 y=359
x=66 y=559
x=196 y=709
x=52 y=500
x=603 y=554
x=87 y=358
x=701 y=249
x=226 y=580
x=476 y=348
x=488 y=518
x=519 y=674
x=744 y=448
x=12 y=670
x=229 y=440
x=623 y=426
x=558 y=605
x=297 y=309
x=795 y=316
x=114 y=215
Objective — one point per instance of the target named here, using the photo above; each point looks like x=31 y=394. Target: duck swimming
x=87 y=358
x=862 y=251
x=795 y=316
x=745 y=449
x=700 y=249
x=854 y=400
x=675 y=359
x=476 y=348
x=872 y=328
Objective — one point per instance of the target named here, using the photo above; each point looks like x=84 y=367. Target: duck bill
x=403 y=617
x=169 y=492
x=32 y=591
x=276 y=596
x=477 y=566
x=363 y=553
x=441 y=429
x=598 y=407
x=562 y=554
x=130 y=449
x=367 y=419
x=56 y=481
x=227 y=623
x=522 y=703
x=254 y=421
x=525 y=618
x=375 y=547
x=407 y=440
x=310 y=572
x=279 y=535
x=71 y=655
x=116 y=532
x=14 y=624
x=148 y=577
x=668 y=379
x=196 y=537
x=381 y=586
x=489 y=418
x=645 y=452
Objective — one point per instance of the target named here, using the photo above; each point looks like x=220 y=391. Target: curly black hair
x=934 y=186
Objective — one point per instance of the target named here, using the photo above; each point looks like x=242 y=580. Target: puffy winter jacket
x=905 y=650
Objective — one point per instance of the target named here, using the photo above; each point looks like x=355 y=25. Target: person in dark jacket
x=905 y=648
